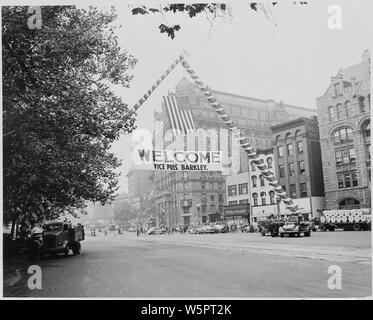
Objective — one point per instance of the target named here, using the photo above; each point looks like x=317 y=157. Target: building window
x=291 y=169
x=255 y=198
x=293 y=191
x=242 y=188
x=212 y=186
x=345 y=156
x=269 y=162
x=362 y=104
x=347 y=180
x=185 y=175
x=290 y=149
x=220 y=185
x=366 y=130
x=300 y=146
x=232 y=190
x=354 y=179
x=212 y=208
x=262 y=179
x=254 y=180
x=203 y=185
x=253 y=167
x=342 y=136
x=272 y=197
x=282 y=170
x=185 y=186
x=345 y=108
x=338 y=89
x=303 y=190
x=203 y=209
x=280 y=151
x=244 y=201
x=284 y=188
x=212 y=197
x=349 y=203
x=220 y=197
x=302 y=169
x=263 y=198
x=333 y=115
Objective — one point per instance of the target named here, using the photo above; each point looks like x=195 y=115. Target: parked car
x=156 y=230
x=131 y=229
x=220 y=227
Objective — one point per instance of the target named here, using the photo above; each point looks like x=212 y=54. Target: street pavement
x=235 y=265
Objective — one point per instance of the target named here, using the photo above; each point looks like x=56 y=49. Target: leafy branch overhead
x=60 y=115
x=192 y=10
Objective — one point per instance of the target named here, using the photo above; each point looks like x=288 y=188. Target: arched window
x=361 y=104
x=347 y=108
x=366 y=130
x=263 y=198
x=272 y=197
x=253 y=167
x=270 y=162
x=366 y=136
x=339 y=111
x=332 y=113
x=262 y=179
x=255 y=198
x=254 y=181
x=342 y=136
x=349 y=203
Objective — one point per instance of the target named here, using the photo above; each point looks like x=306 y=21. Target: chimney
x=365 y=56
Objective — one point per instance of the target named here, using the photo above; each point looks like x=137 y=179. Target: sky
x=244 y=54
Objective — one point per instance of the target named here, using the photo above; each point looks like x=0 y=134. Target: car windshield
x=53 y=227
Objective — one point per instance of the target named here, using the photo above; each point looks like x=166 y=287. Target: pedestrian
x=138 y=231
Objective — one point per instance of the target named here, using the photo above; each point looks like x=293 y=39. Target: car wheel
x=356 y=227
x=76 y=248
x=67 y=249
x=281 y=235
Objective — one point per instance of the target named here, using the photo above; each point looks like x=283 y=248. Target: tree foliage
x=213 y=10
x=124 y=212
x=59 y=114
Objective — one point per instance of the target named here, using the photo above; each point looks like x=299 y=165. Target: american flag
x=181 y=121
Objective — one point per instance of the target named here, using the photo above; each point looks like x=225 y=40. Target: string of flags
x=242 y=138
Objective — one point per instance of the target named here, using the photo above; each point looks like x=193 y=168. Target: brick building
x=298 y=159
x=344 y=121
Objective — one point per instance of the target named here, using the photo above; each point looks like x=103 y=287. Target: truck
x=270 y=226
x=61 y=237
x=348 y=220
x=295 y=226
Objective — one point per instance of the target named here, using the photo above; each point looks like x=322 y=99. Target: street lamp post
x=198 y=205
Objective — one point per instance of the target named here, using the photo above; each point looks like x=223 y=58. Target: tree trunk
x=13 y=228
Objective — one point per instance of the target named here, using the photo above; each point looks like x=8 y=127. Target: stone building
x=193 y=197
x=298 y=159
x=344 y=121
x=238 y=197
x=138 y=183
x=263 y=196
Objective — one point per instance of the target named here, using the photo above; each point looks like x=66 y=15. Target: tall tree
x=59 y=115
